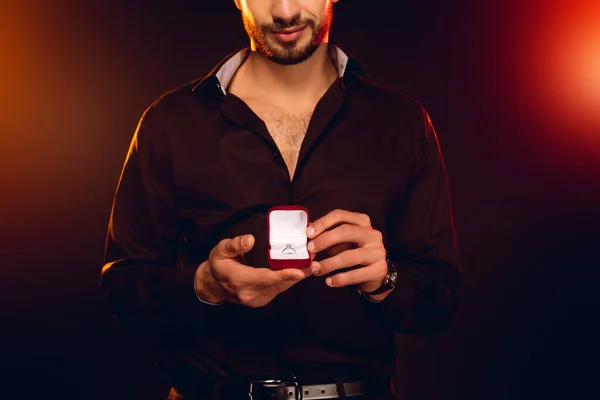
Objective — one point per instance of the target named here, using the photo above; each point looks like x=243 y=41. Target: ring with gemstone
x=288 y=250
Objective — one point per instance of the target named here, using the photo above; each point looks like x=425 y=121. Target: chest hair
x=288 y=131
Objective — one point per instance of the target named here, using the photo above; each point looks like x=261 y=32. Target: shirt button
x=276 y=154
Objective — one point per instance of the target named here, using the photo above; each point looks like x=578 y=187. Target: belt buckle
x=276 y=383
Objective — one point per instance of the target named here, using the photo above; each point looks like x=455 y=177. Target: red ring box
x=286 y=225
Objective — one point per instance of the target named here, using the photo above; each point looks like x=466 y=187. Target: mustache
x=281 y=24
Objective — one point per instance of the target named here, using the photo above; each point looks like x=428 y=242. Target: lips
x=289 y=35
x=289 y=31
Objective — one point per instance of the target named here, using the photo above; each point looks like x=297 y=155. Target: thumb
x=291 y=274
x=231 y=248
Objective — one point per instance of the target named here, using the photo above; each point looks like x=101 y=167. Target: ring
x=288 y=250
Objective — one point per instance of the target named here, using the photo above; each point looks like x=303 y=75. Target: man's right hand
x=224 y=278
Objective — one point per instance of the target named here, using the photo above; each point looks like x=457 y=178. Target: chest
x=287 y=130
x=227 y=180
x=287 y=126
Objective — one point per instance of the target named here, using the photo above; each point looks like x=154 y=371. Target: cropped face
x=287 y=31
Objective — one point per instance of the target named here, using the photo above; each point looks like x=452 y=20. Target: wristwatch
x=389 y=282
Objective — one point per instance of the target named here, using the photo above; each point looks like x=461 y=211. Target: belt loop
x=217 y=389
x=298 y=395
x=340 y=388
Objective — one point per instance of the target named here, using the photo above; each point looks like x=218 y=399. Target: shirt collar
x=226 y=69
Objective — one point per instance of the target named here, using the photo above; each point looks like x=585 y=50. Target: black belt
x=284 y=390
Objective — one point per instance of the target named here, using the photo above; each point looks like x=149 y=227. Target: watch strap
x=388 y=282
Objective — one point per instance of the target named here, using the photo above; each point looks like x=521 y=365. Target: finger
x=336 y=217
x=290 y=274
x=265 y=277
x=344 y=234
x=285 y=285
x=338 y=248
x=231 y=248
x=371 y=273
x=350 y=258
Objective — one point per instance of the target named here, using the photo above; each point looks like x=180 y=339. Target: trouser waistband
x=284 y=390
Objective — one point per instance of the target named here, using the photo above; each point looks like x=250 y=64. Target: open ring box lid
x=286 y=227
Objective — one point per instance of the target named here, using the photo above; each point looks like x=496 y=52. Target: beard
x=292 y=52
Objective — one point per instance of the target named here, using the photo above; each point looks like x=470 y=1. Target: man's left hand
x=367 y=253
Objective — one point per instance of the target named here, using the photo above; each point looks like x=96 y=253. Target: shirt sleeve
x=142 y=280
x=421 y=242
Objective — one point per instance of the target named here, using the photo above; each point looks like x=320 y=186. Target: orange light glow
x=576 y=53
x=560 y=66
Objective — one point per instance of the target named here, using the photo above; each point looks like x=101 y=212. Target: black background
x=525 y=187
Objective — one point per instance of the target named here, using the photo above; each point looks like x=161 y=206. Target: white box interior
x=288 y=227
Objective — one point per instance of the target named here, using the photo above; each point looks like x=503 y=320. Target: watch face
x=392 y=272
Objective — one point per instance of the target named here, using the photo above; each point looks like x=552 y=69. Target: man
x=292 y=120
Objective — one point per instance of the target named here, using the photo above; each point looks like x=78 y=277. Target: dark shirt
x=203 y=167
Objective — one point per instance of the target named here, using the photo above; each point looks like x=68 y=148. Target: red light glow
x=560 y=68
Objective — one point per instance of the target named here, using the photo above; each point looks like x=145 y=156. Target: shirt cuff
x=398 y=304
x=184 y=297
x=404 y=293
x=198 y=296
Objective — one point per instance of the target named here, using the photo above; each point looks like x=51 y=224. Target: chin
x=292 y=53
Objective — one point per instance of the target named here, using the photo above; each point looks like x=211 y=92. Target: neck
x=307 y=78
